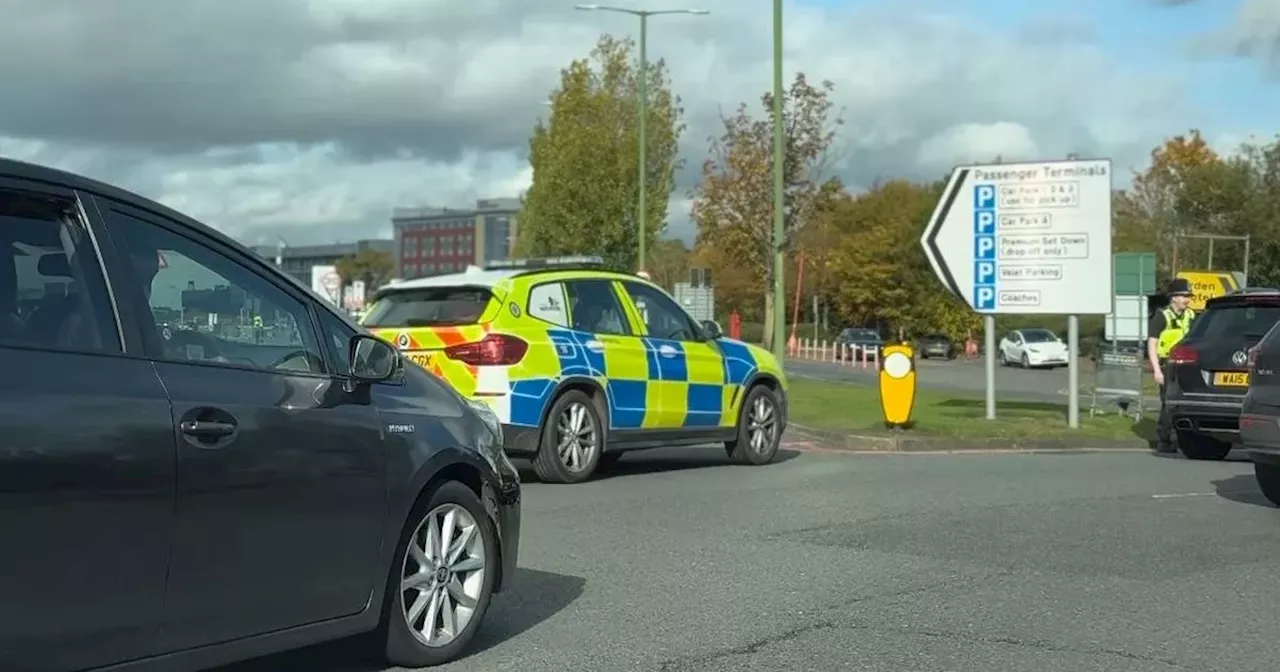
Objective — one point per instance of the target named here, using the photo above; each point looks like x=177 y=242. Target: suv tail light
x=1253 y=356
x=1183 y=354
x=492 y=350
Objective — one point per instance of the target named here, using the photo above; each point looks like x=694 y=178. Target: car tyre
x=759 y=428
x=1199 y=447
x=573 y=418
x=1268 y=476
x=405 y=645
x=1026 y=361
x=1004 y=361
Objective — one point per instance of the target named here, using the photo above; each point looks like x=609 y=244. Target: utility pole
x=642 y=108
x=779 y=188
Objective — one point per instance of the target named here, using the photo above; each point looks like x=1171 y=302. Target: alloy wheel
x=762 y=424
x=577 y=439
x=444 y=574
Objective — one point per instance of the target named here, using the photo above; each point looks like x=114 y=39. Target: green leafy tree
x=584 y=157
x=733 y=203
x=668 y=262
x=372 y=267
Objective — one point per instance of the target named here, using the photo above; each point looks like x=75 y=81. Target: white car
x=1030 y=348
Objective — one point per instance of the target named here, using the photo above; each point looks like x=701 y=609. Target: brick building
x=434 y=241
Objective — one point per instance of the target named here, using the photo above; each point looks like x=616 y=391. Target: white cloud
x=314 y=119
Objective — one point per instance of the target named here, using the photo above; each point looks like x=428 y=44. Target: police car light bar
x=572 y=261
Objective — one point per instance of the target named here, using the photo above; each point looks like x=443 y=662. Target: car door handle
x=207 y=429
x=667 y=351
x=595 y=346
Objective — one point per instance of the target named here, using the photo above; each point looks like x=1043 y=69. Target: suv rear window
x=1234 y=320
x=429 y=307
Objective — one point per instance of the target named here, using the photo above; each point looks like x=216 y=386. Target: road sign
x=1026 y=238
x=1206 y=285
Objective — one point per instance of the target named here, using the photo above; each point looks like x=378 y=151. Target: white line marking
x=1183 y=494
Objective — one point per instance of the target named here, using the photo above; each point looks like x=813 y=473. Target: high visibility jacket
x=1175 y=328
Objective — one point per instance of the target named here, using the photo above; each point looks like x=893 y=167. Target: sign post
x=1027 y=239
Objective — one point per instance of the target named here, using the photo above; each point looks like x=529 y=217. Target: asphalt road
x=919 y=563
x=964 y=376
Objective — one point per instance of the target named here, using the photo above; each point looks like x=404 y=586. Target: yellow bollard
x=897 y=384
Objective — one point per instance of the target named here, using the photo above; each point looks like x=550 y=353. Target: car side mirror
x=711 y=329
x=373 y=360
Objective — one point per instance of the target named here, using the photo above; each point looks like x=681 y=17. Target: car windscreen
x=428 y=307
x=859 y=335
x=1235 y=320
x=1039 y=336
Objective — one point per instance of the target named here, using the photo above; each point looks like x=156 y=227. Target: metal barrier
x=1118 y=376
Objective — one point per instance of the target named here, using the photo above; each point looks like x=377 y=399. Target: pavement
x=963 y=376
x=826 y=560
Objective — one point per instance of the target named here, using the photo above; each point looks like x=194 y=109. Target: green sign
x=1134 y=273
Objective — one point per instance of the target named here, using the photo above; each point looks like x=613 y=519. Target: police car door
x=604 y=347
x=690 y=370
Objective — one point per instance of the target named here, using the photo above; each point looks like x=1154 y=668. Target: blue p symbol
x=984 y=273
x=984 y=196
x=984 y=221
x=984 y=247
x=984 y=298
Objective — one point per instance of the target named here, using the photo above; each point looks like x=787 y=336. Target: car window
x=52 y=294
x=337 y=336
x=1235 y=320
x=662 y=317
x=547 y=303
x=208 y=308
x=1039 y=336
x=594 y=307
x=429 y=307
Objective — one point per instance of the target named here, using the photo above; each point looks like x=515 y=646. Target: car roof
x=476 y=276
x=60 y=178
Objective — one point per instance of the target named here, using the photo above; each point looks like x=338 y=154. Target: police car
x=581 y=363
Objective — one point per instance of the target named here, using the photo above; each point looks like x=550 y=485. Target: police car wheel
x=759 y=429
x=572 y=440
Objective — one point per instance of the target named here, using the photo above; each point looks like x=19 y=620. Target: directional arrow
x=929 y=239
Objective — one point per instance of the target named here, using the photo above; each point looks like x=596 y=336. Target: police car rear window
x=1235 y=320
x=429 y=307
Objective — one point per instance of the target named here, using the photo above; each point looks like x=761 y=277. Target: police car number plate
x=1231 y=379
x=420 y=358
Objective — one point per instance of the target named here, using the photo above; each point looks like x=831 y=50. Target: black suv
x=1208 y=371
x=202 y=461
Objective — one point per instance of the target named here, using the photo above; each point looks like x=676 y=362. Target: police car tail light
x=1184 y=354
x=492 y=350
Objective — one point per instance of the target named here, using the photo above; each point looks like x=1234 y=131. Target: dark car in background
x=858 y=343
x=936 y=345
x=1260 y=414
x=1208 y=371
x=183 y=498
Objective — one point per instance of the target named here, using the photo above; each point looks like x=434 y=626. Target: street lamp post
x=642 y=105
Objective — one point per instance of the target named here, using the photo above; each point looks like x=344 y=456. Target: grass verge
x=842 y=407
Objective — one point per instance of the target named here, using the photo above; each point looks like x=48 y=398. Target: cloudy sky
x=311 y=119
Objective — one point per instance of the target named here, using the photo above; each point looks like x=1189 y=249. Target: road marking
x=1183 y=494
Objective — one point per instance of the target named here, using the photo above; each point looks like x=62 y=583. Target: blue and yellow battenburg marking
x=897 y=384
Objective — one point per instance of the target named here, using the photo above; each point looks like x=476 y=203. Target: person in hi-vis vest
x=1168 y=326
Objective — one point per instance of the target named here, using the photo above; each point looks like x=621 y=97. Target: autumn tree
x=584 y=158
x=1155 y=215
x=372 y=267
x=733 y=203
x=880 y=273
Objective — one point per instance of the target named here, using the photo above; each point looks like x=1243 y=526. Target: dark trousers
x=1164 y=425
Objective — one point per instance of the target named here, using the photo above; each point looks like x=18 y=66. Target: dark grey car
x=201 y=461
x=1260 y=414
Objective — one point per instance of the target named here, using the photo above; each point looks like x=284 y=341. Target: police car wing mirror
x=711 y=330
x=372 y=359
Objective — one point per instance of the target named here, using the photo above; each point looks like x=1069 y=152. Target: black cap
x=1178 y=286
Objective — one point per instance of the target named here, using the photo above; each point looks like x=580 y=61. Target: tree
x=668 y=262
x=880 y=274
x=1158 y=191
x=733 y=203
x=584 y=158
x=372 y=267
